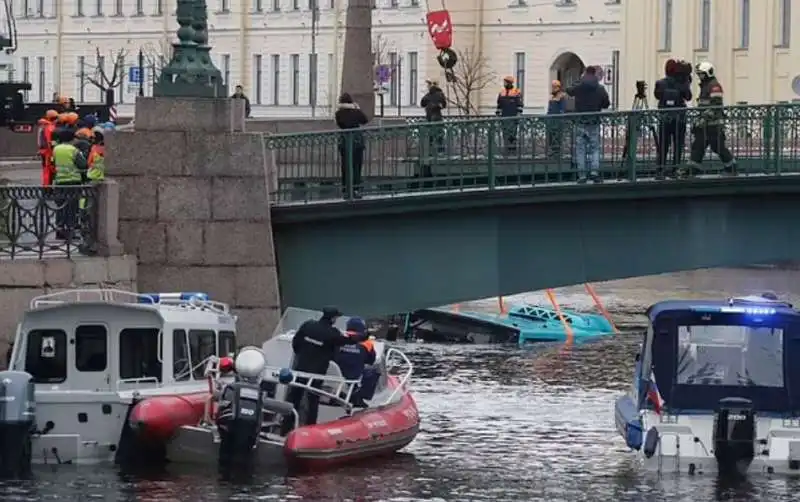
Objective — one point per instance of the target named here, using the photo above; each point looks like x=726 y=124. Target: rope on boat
x=567 y=328
x=600 y=307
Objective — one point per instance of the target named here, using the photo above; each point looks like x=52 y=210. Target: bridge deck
x=458 y=155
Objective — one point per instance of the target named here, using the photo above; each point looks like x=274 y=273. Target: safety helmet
x=51 y=115
x=72 y=118
x=509 y=79
x=84 y=133
x=62 y=118
x=704 y=70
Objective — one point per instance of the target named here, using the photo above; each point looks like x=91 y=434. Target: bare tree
x=101 y=78
x=467 y=79
x=357 y=78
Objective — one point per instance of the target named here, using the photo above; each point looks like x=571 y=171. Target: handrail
x=107 y=295
x=341 y=384
x=190 y=371
x=403 y=383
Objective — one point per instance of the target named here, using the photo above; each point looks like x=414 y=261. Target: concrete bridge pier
x=194 y=206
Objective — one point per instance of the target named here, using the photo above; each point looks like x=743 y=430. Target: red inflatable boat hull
x=156 y=419
x=371 y=433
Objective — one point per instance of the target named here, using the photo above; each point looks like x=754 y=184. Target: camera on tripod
x=641 y=89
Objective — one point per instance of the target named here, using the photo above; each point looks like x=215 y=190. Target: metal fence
x=46 y=222
x=470 y=153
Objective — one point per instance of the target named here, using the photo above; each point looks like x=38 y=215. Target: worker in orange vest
x=44 y=140
x=97 y=155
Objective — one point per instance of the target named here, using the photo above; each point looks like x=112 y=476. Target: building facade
x=289 y=69
x=748 y=41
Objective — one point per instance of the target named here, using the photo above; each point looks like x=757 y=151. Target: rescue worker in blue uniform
x=70 y=166
x=353 y=358
x=314 y=345
x=509 y=104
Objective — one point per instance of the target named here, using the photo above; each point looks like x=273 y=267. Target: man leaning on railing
x=590 y=97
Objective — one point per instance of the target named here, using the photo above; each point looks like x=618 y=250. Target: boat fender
x=285 y=376
x=651 y=440
x=633 y=434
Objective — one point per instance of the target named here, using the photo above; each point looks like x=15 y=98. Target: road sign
x=134 y=75
x=383 y=73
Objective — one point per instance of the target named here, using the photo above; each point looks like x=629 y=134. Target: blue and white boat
x=523 y=324
x=716 y=388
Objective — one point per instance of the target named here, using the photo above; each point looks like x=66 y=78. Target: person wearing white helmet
x=709 y=129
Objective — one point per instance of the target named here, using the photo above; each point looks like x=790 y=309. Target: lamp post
x=190 y=72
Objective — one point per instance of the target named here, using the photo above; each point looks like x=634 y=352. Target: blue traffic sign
x=383 y=73
x=135 y=75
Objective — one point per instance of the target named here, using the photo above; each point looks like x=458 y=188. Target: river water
x=498 y=425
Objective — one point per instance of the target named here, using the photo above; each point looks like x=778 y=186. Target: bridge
x=446 y=212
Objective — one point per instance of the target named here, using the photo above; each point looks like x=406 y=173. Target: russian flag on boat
x=654 y=395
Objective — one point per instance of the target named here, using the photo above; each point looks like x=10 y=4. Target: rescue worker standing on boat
x=314 y=345
x=353 y=358
x=45 y=140
x=509 y=104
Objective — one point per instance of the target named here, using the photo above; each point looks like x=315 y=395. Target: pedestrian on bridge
x=509 y=104
x=590 y=99
x=434 y=102
x=350 y=118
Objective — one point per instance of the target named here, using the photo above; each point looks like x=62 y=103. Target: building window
x=296 y=4
x=295 y=69
x=786 y=23
x=119 y=66
x=313 y=79
x=394 y=88
x=258 y=75
x=276 y=79
x=98 y=8
x=519 y=70
x=78 y=8
x=40 y=8
x=42 y=77
x=225 y=6
x=666 y=25
x=81 y=83
x=91 y=348
x=140 y=7
x=226 y=69
x=413 y=78
x=331 y=78
x=118 y=8
x=705 y=25
x=159 y=9
x=276 y=5
x=744 y=25
x=258 y=6
x=26 y=74
x=394 y=4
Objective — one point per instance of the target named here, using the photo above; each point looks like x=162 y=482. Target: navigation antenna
x=639 y=105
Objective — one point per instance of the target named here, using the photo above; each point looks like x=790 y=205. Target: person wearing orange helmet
x=83 y=140
x=44 y=140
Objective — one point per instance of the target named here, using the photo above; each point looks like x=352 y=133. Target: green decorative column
x=190 y=72
x=208 y=72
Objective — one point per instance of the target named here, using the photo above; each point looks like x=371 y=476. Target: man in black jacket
x=239 y=94
x=349 y=118
x=434 y=101
x=314 y=345
x=672 y=93
x=590 y=98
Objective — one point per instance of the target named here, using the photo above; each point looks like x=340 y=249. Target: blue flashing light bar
x=756 y=311
x=153 y=298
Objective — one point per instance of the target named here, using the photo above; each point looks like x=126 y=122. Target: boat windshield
x=700 y=358
x=294 y=317
x=730 y=355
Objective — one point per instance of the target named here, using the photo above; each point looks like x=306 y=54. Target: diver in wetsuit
x=314 y=346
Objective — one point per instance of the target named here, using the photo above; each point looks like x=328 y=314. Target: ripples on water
x=498 y=425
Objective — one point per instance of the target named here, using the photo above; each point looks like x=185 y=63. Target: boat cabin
x=108 y=340
x=699 y=352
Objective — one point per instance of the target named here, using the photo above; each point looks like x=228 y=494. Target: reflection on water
x=498 y=424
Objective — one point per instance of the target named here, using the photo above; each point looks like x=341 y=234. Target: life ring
x=447 y=59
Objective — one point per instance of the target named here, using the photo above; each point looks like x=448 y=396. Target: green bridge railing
x=471 y=154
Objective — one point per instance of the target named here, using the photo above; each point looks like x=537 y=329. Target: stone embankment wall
x=194 y=206
x=23 y=279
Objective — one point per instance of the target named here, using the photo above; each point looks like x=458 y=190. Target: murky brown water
x=498 y=425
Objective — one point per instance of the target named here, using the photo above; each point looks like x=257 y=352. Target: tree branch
x=470 y=76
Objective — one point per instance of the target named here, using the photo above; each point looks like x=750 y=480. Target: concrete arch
x=567 y=67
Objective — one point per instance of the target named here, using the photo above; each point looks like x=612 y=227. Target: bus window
x=226 y=343
x=138 y=353
x=203 y=344
x=91 y=348
x=46 y=355
x=181 y=365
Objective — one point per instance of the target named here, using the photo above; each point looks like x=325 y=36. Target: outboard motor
x=240 y=409
x=17 y=423
x=734 y=435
